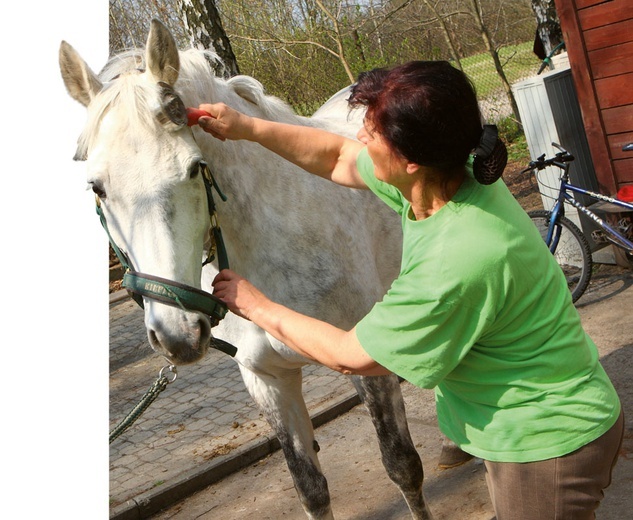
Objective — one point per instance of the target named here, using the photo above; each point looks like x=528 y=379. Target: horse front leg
x=383 y=399
x=280 y=399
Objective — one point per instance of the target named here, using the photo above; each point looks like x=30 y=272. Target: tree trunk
x=548 y=26
x=202 y=21
x=492 y=50
x=359 y=47
x=447 y=35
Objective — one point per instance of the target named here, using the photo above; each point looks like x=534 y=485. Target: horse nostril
x=158 y=344
x=180 y=336
x=204 y=328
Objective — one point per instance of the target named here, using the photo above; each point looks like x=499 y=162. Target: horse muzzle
x=181 y=336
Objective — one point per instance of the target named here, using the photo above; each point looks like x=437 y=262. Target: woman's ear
x=412 y=167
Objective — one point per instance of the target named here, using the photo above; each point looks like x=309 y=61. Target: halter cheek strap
x=217 y=242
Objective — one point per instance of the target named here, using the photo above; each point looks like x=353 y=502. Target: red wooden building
x=599 y=39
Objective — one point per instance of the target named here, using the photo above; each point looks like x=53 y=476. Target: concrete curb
x=118 y=296
x=153 y=501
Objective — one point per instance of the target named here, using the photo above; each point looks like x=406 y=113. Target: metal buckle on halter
x=214 y=237
x=216 y=241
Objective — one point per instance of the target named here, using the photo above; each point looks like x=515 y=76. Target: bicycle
x=564 y=238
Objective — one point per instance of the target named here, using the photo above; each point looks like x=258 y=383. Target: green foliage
x=512 y=135
x=518 y=150
x=510 y=129
x=292 y=46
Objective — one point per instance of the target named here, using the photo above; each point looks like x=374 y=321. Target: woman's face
x=389 y=165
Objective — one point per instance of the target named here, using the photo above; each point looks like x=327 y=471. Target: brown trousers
x=564 y=488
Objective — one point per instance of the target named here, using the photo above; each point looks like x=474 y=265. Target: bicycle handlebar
x=559 y=160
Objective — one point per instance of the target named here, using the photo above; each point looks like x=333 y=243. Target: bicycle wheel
x=572 y=253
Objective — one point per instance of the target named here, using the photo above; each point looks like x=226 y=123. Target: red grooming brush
x=193 y=114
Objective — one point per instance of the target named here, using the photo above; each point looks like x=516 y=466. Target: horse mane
x=197 y=83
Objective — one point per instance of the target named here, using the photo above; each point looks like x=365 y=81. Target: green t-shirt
x=481 y=312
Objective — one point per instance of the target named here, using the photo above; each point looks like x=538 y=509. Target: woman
x=480 y=311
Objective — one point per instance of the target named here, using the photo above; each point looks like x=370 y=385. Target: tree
x=478 y=16
x=129 y=22
x=202 y=21
x=548 y=29
x=446 y=32
x=304 y=50
x=338 y=39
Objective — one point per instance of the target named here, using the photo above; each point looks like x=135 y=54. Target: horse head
x=144 y=166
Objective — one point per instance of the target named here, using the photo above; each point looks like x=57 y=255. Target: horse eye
x=194 y=170
x=98 y=190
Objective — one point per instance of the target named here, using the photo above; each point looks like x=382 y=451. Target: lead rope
x=150 y=396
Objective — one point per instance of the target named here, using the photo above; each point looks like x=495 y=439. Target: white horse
x=323 y=250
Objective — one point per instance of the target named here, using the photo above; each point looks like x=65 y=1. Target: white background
x=54 y=374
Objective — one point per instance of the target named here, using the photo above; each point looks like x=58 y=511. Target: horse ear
x=162 y=54
x=82 y=84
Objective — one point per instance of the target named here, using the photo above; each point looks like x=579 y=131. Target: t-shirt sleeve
x=417 y=336
x=387 y=193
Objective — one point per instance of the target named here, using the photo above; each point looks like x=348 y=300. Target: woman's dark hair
x=426 y=110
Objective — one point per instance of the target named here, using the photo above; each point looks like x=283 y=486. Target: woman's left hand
x=241 y=296
x=318 y=340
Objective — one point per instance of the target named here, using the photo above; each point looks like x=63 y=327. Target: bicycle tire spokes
x=570 y=250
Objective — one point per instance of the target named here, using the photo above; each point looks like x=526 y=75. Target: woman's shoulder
x=390 y=195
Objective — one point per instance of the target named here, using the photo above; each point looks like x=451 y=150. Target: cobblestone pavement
x=202 y=426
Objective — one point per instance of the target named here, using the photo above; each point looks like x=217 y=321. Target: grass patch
x=518 y=62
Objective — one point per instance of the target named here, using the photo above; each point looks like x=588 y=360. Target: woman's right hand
x=317 y=151
x=225 y=122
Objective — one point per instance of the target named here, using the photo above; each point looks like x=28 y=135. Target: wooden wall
x=599 y=39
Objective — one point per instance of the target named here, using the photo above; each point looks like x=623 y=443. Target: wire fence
x=519 y=62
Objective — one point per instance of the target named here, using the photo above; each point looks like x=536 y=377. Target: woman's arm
x=315 y=339
x=317 y=151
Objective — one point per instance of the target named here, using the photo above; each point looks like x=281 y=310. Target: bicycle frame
x=553 y=232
